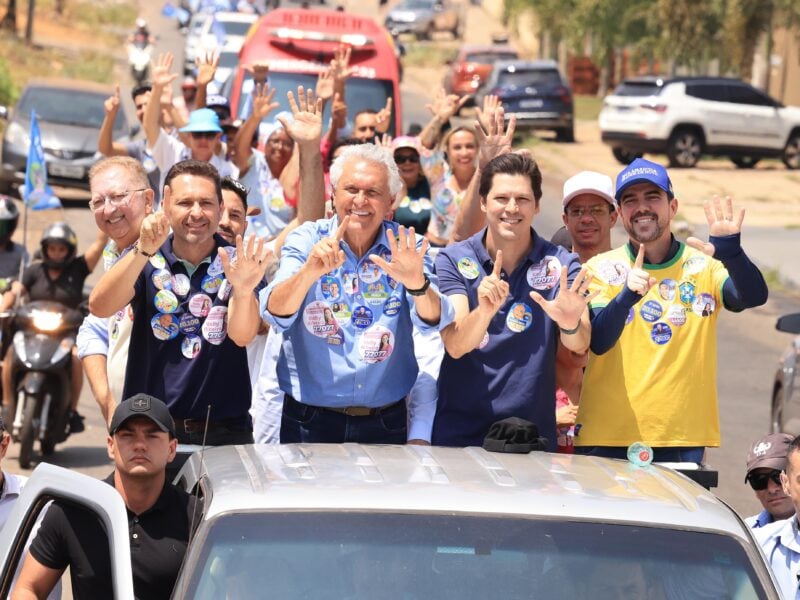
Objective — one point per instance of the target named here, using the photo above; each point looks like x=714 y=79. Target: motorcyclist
x=141 y=34
x=12 y=255
x=59 y=276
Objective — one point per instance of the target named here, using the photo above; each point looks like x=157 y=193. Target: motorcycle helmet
x=62 y=233
x=9 y=217
x=141 y=23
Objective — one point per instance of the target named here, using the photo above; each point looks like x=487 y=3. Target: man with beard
x=652 y=368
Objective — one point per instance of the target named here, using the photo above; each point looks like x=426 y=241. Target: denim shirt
x=779 y=543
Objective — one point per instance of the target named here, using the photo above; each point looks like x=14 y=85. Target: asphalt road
x=748 y=345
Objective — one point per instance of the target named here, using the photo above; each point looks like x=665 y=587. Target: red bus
x=299 y=43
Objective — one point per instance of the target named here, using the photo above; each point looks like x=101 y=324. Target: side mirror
x=3 y=112
x=789 y=323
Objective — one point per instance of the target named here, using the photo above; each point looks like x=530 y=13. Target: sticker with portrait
x=319 y=319
x=376 y=344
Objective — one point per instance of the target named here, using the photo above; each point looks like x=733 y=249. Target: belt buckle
x=358 y=411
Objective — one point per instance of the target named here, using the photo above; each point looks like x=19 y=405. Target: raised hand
x=338 y=112
x=384 y=117
x=325 y=83
x=111 y=104
x=340 y=64
x=154 y=230
x=721 y=222
x=445 y=106
x=384 y=141
x=486 y=116
x=306 y=127
x=260 y=71
x=262 y=100
x=407 y=261
x=493 y=290
x=247 y=270
x=160 y=74
x=639 y=280
x=206 y=66
x=495 y=141
x=567 y=308
x=326 y=255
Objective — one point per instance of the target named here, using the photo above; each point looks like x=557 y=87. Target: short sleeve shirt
x=67 y=288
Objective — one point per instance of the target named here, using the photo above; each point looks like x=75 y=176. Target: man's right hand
x=493 y=291
x=639 y=280
x=494 y=141
x=160 y=71
x=155 y=229
x=111 y=104
x=326 y=255
x=306 y=126
x=445 y=106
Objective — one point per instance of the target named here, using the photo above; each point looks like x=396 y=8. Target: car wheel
x=776 y=418
x=565 y=134
x=429 y=31
x=744 y=162
x=684 y=149
x=791 y=153
x=625 y=157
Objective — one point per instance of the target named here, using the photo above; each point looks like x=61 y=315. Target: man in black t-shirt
x=160 y=515
x=58 y=277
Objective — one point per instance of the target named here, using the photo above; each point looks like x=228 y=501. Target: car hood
x=76 y=138
x=410 y=14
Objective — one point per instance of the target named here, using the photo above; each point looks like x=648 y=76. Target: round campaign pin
x=613 y=272
x=181 y=284
x=666 y=289
x=190 y=346
x=162 y=279
x=676 y=314
x=519 y=317
x=341 y=311
x=199 y=305
x=375 y=293
x=661 y=333
x=350 y=282
x=484 y=341
x=166 y=302
x=362 y=317
x=376 y=345
x=651 y=311
x=468 y=267
x=545 y=274
x=215 y=268
x=158 y=260
x=392 y=283
x=189 y=323
x=319 y=319
x=704 y=305
x=369 y=272
x=392 y=306
x=164 y=326
x=330 y=287
x=211 y=283
x=693 y=265
x=215 y=328
x=224 y=290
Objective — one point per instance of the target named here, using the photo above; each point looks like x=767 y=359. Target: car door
x=49 y=482
x=722 y=120
x=761 y=121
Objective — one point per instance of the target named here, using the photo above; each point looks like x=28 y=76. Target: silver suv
x=371 y=522
x=686 y=117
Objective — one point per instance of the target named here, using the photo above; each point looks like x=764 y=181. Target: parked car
x=687 y=117
x=349 y=521
x=70 y=113
x=785 y=414
x=535 y=92
x=193 y=45
x=423 y=18
x=470 y=67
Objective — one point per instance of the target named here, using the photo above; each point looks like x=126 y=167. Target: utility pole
x=29 y=24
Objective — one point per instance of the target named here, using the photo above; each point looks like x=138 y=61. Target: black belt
x=352 y=411
x=199 y=425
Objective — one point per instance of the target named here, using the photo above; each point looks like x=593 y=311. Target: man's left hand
x=407 y=261
x=721 y=222
x=567 y=308
x=247 y=270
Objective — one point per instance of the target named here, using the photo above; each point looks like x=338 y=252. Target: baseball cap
x=189 y=82
x=589 y=182
x=769 y=452
x=644 y=171
x=201 y=120
x=143 y=405
x=405 y=141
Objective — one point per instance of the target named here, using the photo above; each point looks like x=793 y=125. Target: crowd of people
x=390 y=291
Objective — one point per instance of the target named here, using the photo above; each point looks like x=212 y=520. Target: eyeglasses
x=594 y=211
x=760 y=481
x=406 y=158
x=277 y=143
x=115 y=200
x=204 y=135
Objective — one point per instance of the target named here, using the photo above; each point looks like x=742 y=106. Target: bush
x=8 y=91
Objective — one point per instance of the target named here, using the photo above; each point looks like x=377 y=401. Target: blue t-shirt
x=512 y=372
x=179 y=349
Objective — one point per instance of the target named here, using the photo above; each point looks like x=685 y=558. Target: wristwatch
x=137 y=250
x=421 y=291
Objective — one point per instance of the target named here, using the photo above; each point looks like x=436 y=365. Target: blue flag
x=38 y=194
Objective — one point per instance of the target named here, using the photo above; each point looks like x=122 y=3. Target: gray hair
x=373 y=153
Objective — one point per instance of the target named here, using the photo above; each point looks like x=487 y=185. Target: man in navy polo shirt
x=509 y=289
x=194 y=309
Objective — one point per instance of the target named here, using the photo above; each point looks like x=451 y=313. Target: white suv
x=685 y=117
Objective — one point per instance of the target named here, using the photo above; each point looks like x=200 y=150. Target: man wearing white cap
x=590 y=212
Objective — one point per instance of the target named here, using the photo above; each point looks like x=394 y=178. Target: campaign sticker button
x=661 y=333
x=215 y=328
x=376 y=345
x=180 y=284
x=468 y=268
x=350 y=282
x=319 y=319
x=190 y=346
x=166 y=302
x=545 y=274
x=519 y=317
x=224 y=290
x=199 y=305
x=341 y=311
x=369 y=272
x=162 y=279
x=392 y=306
x=676 y=314
x=651 y=311
x=211 y=283
x=189 y=323
x=375 y=293
x=164 y=326
x=704 y=305
x=158 y=260
x=362 y=317
x=330 y=287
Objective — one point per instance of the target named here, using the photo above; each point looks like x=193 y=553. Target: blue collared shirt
x=759 y=520
x=350 y=343
x=779 y=543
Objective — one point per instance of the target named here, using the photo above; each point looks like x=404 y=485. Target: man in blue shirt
x=765 y=462
x=346 y=296
x=509 y=289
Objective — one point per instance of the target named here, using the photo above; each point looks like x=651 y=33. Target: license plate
x=531 y=103
x=68 y=171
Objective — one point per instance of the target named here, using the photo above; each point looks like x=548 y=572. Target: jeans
x=314 y=424
x=691 y=454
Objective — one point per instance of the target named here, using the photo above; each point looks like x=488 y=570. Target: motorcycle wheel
x=26 y=433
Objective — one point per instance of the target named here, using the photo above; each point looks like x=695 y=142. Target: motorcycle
x=139 y=53
x=42 y=356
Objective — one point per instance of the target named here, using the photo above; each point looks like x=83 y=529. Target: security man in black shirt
x=141 y=442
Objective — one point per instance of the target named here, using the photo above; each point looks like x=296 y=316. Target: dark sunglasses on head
x=198 y=135
x=760 y=481
x=404 y=158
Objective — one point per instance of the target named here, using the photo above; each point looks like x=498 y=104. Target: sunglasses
x=760 y=481
x=404 y=158
x=199 y=135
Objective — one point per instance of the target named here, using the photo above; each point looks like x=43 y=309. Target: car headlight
x=17 y=136
x=44 y=320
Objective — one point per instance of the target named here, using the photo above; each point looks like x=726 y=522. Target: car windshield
x=361 y=93
x=638 y=88
x=525 y=78
x=239 y=28
x=228 y=60
x=417 y=4
x=380 y=555
x=67 y=107
x=488 y=58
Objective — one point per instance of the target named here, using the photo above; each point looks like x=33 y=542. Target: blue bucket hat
x=202 y=120
x=644 y=171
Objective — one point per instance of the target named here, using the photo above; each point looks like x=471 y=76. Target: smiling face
x=462 y=149
x=193 y=209
x=407 y=160
x=232 y=222
x=121 y=223
x=646 y=212
x=362 y=193
x=364 y=126
x=203 y=144
x=592 y=229
x=510 y=207
x=140 y=449
x=278 y=150
x=140 y=102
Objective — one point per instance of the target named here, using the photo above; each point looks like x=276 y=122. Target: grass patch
x=774 y=280
x=421 y=54
x=92 y=14
x=587 y=108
